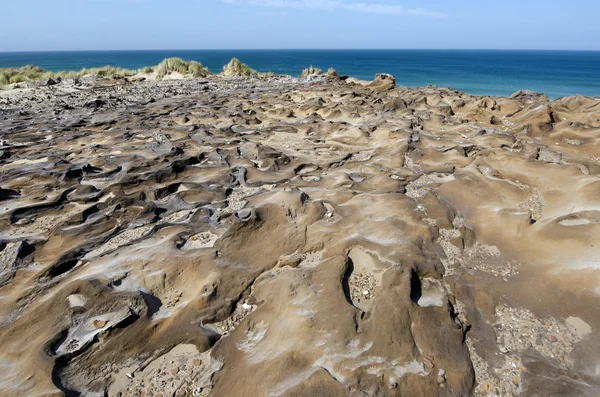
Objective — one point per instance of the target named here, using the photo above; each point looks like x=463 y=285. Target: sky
x=43 y=25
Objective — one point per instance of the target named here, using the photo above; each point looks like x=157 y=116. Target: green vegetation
x=170 y=65
x=237 y=68
x=17 y=75
x=147 y=69
x=178 y=65
x=311 y=71
x=34 y=73
x=332 y=74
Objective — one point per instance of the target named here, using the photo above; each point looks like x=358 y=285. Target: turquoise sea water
x=556 y=73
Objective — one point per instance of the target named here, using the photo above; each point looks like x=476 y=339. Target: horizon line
x=307 y=49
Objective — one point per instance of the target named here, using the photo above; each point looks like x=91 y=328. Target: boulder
x=526 y=95
x=383 y=82
x=52 y=81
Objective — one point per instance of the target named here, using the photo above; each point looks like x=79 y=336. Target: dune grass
x=236 y=68
x=147 y=69
x=31 y=73
x=166 y=67
x=35 y=73
x=178 y=65
x=332 y=73
x=17 y=75
x=311 y=71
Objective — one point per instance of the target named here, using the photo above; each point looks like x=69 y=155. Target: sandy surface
x=297 y=237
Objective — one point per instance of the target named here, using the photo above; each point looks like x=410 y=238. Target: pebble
x=100 y=323
x=550 y=338
x=428 y=364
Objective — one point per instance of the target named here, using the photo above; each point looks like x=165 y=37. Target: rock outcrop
x=293 y=237
x=383 y=82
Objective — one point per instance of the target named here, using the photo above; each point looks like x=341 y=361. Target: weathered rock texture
x=290 y=237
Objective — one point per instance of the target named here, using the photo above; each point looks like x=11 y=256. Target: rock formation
x=297 y=237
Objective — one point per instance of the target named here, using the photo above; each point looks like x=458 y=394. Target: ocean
x=480 y=72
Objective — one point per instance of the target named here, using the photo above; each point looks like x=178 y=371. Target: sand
x=297 y=237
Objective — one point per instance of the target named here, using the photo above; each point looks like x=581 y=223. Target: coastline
x=498 y=73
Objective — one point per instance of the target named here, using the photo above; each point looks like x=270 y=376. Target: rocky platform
x=285 y=237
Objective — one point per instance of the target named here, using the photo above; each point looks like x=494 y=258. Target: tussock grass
x=166 y=67
x=178 y=65
x=236 y=68
x=17 y=75
x=311 y=71
x=34 y=73
x=332 y=74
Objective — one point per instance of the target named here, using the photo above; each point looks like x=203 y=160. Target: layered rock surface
x=285 y=237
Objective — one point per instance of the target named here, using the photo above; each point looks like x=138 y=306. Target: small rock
x=441 y=379
x=175 y=371
x=356 y=177
x=100 y=323
x=311 y=178
x=551 y=338
x=244 y=214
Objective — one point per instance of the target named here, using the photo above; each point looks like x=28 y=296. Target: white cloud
x=366 y=8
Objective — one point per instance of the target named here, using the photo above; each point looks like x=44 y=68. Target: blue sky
x=240 y=24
